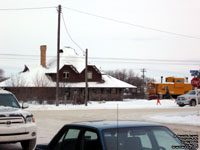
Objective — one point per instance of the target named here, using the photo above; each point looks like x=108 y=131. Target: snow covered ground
x=126 y=104
x=186 y=117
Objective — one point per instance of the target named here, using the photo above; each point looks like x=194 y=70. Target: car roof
x=107 y=124
x=4 y=91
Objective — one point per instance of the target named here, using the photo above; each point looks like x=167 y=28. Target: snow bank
x=189 y=118
x=179 y=119
x=126 y=104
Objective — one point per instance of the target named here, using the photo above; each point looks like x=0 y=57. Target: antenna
x=117 y=115
x=117 y=125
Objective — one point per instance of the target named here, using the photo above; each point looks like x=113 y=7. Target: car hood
x=10 y=111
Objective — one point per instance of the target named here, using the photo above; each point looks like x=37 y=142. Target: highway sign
x=194 y=72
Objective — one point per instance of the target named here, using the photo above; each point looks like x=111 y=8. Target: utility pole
x=143 y=76
x=86 y=77
x=143 y=71
x=58 y=57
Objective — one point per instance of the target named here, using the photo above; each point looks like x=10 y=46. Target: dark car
x=113 y=135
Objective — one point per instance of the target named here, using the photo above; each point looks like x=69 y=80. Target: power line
x=21 y=59
x=132 y=24
x=16 y=9
x=19 y=55
x=157 y=60
x=164 y=71
x=105 y=18
x=114 y=61
x=109 y=58
x=67 y=31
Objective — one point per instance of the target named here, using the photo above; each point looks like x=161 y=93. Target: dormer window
x=89 y=75
x=66 y=74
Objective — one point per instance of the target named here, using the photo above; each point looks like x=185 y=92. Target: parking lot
x=50 y=121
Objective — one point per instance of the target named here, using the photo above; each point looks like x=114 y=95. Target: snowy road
x=50 y=121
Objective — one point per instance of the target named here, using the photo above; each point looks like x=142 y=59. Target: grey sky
x=22 y=32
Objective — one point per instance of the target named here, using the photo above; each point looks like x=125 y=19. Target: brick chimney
x=43 y=49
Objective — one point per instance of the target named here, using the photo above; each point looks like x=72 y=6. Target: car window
x=68 y=141
x=179 y=81
x=192 y=92
x=164 y=138
x=91 y=135
x=90 y=141
x=146 y=138
x=8 y=100
x=145 y=141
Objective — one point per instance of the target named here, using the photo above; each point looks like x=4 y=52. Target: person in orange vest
x=158 y=101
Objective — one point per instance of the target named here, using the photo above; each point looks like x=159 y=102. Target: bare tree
x=41 y=80
x=2 y=75
x=130 y=77
x=16 y=81
x=127 y=76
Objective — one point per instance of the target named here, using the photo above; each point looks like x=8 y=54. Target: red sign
x=195 y=82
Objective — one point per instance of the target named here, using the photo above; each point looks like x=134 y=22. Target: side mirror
x=25 y=105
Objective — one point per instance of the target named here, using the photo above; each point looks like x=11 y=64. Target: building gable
x=68 y=73
x=94 y=75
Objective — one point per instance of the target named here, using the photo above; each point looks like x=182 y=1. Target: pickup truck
x=189 y=98
x=113 y=135
x=16 y=125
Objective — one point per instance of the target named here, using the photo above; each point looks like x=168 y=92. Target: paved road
x=50 y=121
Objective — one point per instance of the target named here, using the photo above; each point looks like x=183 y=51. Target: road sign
x=195 y=82
x=194 y=72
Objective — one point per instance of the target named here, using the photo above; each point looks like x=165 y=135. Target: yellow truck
x=172 y=87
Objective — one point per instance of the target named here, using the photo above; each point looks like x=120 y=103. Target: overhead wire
x=69 y=35
x=105 y=18
x=132 y=24
x=127 y=60
x=114 y=60
x=108 y=60
x=31 y=8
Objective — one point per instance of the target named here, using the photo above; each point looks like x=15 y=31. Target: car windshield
x=191 y=92
x=8 y=100
x=147 y=138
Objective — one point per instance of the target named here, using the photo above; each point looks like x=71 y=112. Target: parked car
x=188 y=99
x=16 y=125
x=112 y=135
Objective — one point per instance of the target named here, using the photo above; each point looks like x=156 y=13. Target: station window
x=89 y=75
x=113 y=91
x=66 y=74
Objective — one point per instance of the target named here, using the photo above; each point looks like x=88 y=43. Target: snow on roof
x=36 y=77
x=109 y=82
x=67 y=57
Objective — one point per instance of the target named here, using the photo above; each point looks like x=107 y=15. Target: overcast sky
x=22 y=32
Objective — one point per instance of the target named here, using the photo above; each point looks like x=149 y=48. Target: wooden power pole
x=143 y=76
x=86 y=77
x=58 y=57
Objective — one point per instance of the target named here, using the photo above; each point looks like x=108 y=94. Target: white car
x=189 y=98
x=16 y=125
